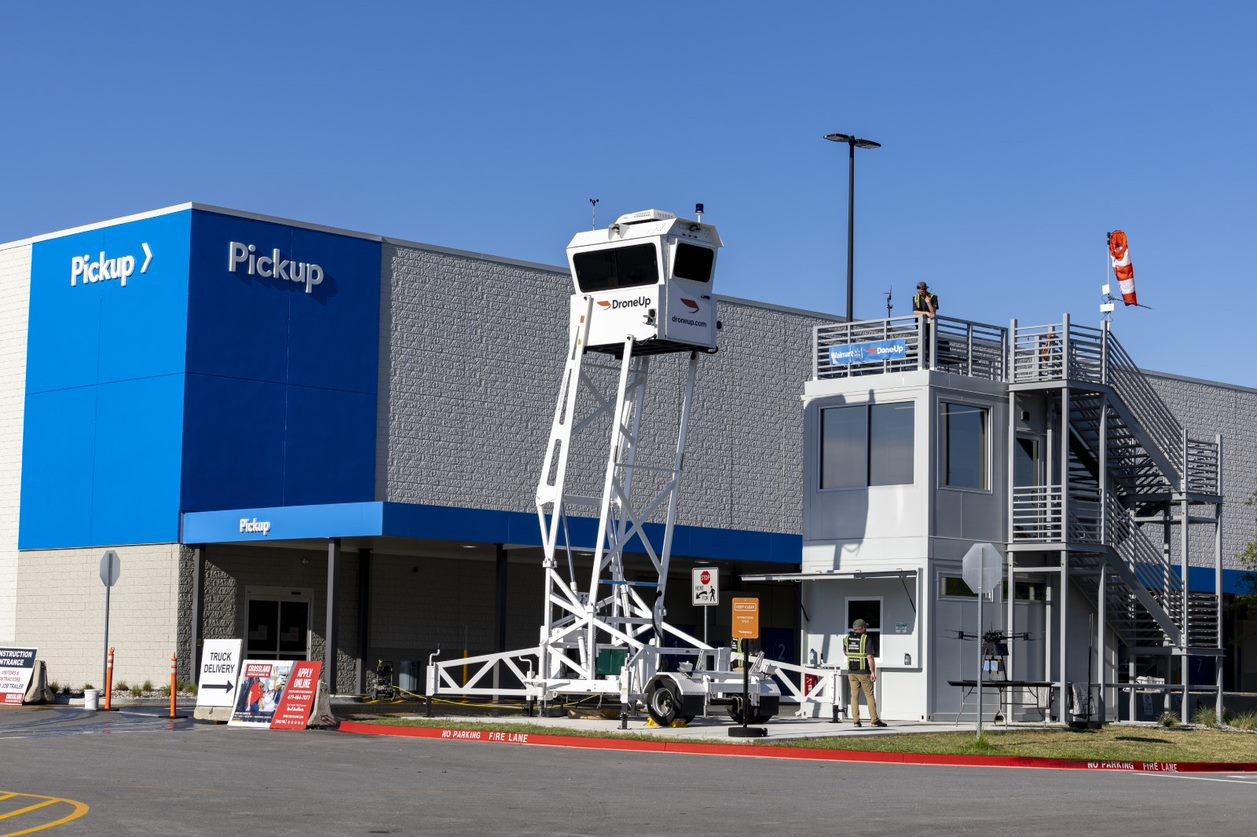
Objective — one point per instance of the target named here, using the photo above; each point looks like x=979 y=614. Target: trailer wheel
x=663 y=702
x=757 y=716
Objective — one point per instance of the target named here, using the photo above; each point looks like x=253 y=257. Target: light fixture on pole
x=852 y=142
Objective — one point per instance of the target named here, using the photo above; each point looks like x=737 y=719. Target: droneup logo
x=616 y=304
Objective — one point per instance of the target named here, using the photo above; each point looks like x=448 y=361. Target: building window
x=693 y=262
x=620 y=267
x=869 y=444
x=870 y=610
x=954 y=586
x=1027 y=591
x=965 y=446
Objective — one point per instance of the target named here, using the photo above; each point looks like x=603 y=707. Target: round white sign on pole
x=982 y=568
x=110 y=567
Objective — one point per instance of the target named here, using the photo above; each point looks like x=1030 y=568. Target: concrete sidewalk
x=714 y=728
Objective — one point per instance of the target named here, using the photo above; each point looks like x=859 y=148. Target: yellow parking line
x=20 y=811
x=79 y=810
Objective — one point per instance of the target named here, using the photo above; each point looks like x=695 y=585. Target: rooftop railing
x=1019 y=355
x=903 y=344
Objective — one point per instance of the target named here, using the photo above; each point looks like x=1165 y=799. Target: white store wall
x=15 y=291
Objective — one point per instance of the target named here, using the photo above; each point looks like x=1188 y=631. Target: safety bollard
x=109 y=682
x=174 y=686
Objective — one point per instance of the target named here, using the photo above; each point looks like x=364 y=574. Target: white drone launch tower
x=643 y=288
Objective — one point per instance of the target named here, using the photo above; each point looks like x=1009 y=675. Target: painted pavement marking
x=23 y=816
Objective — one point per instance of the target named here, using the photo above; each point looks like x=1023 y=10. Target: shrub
x=136 y=692
x=121 y=686
x=1206 y=718
x=1246 y=721
x=87 y=686
x=1168 y=719
x=186 y=687
x=148 y=685
x=54 y=686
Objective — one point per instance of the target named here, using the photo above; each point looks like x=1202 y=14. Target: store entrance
x=278 y=624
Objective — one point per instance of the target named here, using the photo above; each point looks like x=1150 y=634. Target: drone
x=994 y=643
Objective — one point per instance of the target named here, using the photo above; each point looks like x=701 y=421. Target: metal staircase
x=1128 y=462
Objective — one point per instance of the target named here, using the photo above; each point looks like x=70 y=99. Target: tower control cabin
x=649 y=277
x=923 y=439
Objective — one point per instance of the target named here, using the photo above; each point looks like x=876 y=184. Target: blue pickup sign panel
x=195 y=360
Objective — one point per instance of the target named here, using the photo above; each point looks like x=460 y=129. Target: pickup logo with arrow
x=91 y=268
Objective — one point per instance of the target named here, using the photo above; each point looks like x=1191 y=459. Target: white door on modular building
x=277 y=623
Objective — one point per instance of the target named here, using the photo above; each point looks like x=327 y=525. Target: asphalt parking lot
x=138 y=772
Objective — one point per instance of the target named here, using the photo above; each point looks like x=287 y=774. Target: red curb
x=790 y=753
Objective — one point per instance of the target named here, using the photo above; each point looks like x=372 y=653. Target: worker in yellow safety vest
x=862 y=671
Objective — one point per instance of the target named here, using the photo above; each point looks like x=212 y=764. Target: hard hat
x=859 y=623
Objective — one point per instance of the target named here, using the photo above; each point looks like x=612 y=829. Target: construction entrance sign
x=16 y=667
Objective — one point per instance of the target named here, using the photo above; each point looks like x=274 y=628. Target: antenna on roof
x=593 y=213
x=890 y=305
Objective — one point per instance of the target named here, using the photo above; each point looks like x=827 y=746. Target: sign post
x=982 y=571
x=110 y=567
x=706 y=587
x=746 y=626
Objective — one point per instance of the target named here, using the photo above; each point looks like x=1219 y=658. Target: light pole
x=852 y=142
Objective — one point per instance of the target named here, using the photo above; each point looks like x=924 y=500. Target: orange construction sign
x=746 y=618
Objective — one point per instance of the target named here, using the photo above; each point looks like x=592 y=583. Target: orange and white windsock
x=1119 y=252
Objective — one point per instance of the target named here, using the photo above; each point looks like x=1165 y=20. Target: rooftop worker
x=924 y=302
x=862 y=671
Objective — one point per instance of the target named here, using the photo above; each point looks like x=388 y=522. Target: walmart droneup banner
x=872 y=352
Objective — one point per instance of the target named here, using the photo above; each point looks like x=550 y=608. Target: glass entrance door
x=278 y=629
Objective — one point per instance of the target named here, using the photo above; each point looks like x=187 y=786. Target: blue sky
x=1015 y=136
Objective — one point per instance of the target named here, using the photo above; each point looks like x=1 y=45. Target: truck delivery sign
x=220 y=670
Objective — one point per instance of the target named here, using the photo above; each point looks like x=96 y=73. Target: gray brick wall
x=1206 y=408
x=477 y=348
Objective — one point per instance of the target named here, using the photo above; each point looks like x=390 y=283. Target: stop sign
x=705 y=577
x=982 y=568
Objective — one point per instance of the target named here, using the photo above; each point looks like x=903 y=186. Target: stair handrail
x=1132 y=387
x=1153 y=569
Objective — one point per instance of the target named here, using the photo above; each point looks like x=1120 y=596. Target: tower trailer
x=643 y=291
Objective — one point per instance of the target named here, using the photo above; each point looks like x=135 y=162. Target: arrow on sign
x=148 y=257
x=224 y=686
